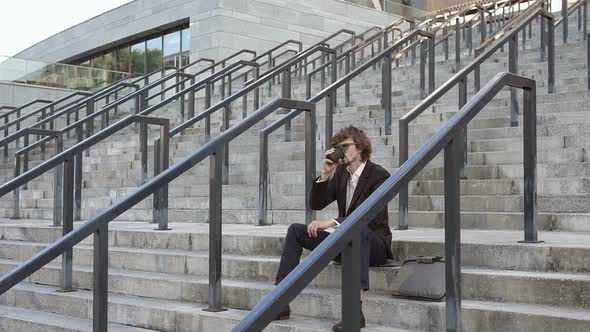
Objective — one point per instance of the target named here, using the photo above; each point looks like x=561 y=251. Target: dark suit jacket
x=324 y=193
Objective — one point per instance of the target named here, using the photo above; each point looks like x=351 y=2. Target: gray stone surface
x=218 y=27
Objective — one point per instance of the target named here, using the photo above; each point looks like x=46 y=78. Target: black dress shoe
x=338 y=326
x=284 y=314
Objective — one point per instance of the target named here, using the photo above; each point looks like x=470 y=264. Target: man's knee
x=295 y=230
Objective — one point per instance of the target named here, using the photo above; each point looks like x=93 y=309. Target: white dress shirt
x=353 y=180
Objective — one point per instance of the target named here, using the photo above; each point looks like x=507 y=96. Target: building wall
x=13 y=94
x=218 y=27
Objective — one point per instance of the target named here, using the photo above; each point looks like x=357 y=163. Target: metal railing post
x=513 y=68
x=68 y=223
x=462 y=86
x=347 y=85
x=551 y=57
x=100 y=291
x=412 y=27
x=256 y=73
x=585 y=19
x=143 y=150
x=386 y=84
x=403 y=192
x=431 y=64
x=588 y=59
x=530 y=165
x=78 y=178
x=351 y=284
x=564 y=16
x=58 y=187
x=26 y=158
x=208 y=91
x=457 y=45
x=161 y=162
x=446 y=43
x=225 y=149
x=310 y=162
x=330 y=104
x=422 y=69
x=245 y=100
x=542 y=41
x=5 y=134
x=579 y=18
x=16 y=192
x=470 y=38
x=287 y=94
x=89 y=124
x=215 y=222
x=452 y=184
x=483 y=29
x=191 y=100
x=263 y=180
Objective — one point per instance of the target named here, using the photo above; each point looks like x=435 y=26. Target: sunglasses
x=344 y=146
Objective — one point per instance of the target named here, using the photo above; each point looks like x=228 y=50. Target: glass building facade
x=143 y=56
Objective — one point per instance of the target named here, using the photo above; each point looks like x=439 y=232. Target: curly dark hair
x=359 y=137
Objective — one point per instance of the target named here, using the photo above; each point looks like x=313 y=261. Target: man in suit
x=349 y=182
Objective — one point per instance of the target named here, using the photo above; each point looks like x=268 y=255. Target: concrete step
x=20 y=319
x=164 y=315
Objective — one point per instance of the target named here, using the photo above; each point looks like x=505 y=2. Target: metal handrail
x=104 y=93
x=74 y=108
x=58 y=171
x=460 y=79
x=43 y=109
x=99 y=224
x=20 y=108
x=192 y=88
x=143 y=130
x=509 y=25
x=268 y=54
x=330 y=94
x=566 y=12
x=346 y=239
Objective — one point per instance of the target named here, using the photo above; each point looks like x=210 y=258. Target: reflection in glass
x=96 y=62
x=172 y=43
x=123 y=56
x=153 y=54
x=138 y=59
x=186 y=40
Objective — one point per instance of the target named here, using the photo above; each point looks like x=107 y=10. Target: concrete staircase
x=158 y=280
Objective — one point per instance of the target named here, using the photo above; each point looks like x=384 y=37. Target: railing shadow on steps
x=346 y=239
x=460 y=80
x=99 y=225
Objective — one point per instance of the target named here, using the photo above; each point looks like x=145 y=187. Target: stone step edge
x=150 y=304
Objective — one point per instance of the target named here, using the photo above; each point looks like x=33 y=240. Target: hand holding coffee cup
x=332 y=158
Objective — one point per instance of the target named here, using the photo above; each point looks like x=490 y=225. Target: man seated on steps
x=349 y=182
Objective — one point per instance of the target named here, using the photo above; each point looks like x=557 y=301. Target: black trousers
x=373 y=251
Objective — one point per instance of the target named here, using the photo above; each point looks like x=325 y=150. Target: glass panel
x=185 y=59
x=138 y=59
x=172 y=43
x=56 y=74
x=108 y=61
x=186 y=40
x=154 y=54
x=96 y=62
x=123 y=59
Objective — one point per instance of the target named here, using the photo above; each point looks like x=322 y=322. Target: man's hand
x=328 y=166
x=319 y=225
